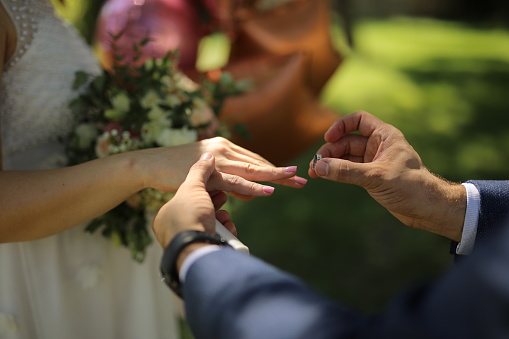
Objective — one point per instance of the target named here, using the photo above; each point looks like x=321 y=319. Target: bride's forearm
x=36 y=204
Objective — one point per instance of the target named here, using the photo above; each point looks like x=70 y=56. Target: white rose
x=167 y=81
x=157 y=114
x=121 y=102
x=150 y=131
x=172 y=100
x=165 y=137
x=184 y=136
x=184 y=82
x=174 y=137
x=201 y=114
x=150 y=99
x=86 y=133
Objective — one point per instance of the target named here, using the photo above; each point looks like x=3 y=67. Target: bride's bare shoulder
x=7 y=48
x=7 y=36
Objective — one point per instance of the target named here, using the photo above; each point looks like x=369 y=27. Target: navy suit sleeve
x=231 y=295
x=494 y=208
x=470 y=301
x=234 y=296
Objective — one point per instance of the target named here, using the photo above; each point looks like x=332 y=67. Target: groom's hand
x=192 y=207
x=363 y=150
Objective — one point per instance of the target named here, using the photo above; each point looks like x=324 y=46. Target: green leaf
x=98 y=84
x=117 y=36
x=145 y=41
x=80 y=78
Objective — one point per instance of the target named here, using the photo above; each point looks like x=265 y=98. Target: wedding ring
x=316 y=158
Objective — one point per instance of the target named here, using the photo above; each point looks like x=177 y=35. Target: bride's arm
x=36 y=204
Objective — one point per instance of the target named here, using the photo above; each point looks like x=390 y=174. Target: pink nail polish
x=291 y=169
x=268 y=189
x=300 y=180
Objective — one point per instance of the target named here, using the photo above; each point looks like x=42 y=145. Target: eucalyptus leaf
x=80 y=79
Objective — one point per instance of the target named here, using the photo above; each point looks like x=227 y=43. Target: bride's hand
x=166 y=168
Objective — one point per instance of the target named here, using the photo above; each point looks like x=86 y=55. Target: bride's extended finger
x=293 y=182
x=258 y=172
x=236 y=184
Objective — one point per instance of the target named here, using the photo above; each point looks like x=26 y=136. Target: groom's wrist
x=447 y=202
x=186 y=252
x=178 y=249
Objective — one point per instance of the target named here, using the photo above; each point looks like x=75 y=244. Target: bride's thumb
x=341 y=170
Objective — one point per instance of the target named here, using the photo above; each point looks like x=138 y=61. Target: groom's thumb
x=201 y=171
x=341 y=170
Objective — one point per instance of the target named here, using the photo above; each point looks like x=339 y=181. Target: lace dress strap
x=24 y=16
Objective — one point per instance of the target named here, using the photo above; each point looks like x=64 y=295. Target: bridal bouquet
x=133 y=107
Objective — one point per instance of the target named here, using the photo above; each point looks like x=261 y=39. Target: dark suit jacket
x=494 y=208
x=232 y=295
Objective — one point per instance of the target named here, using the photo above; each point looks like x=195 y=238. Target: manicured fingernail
x=268 y=189
x=300 y=180
x=291 y=169
x=206 y=156
x=322 y=169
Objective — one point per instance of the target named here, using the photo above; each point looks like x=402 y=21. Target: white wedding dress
x=72 y=285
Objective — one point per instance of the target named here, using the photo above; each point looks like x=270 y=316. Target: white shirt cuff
x=195 y=255
x=466 y=245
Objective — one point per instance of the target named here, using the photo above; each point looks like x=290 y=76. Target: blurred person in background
x=283 y=47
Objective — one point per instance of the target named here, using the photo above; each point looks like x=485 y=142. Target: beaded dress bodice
x=37 y=80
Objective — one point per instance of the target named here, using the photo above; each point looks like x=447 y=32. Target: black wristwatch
x=169 y=261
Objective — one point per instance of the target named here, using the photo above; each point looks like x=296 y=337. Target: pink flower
x=170 y=24
x=202 y=113
x=102 y=147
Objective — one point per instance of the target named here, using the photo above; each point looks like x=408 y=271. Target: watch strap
x=168 y=268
